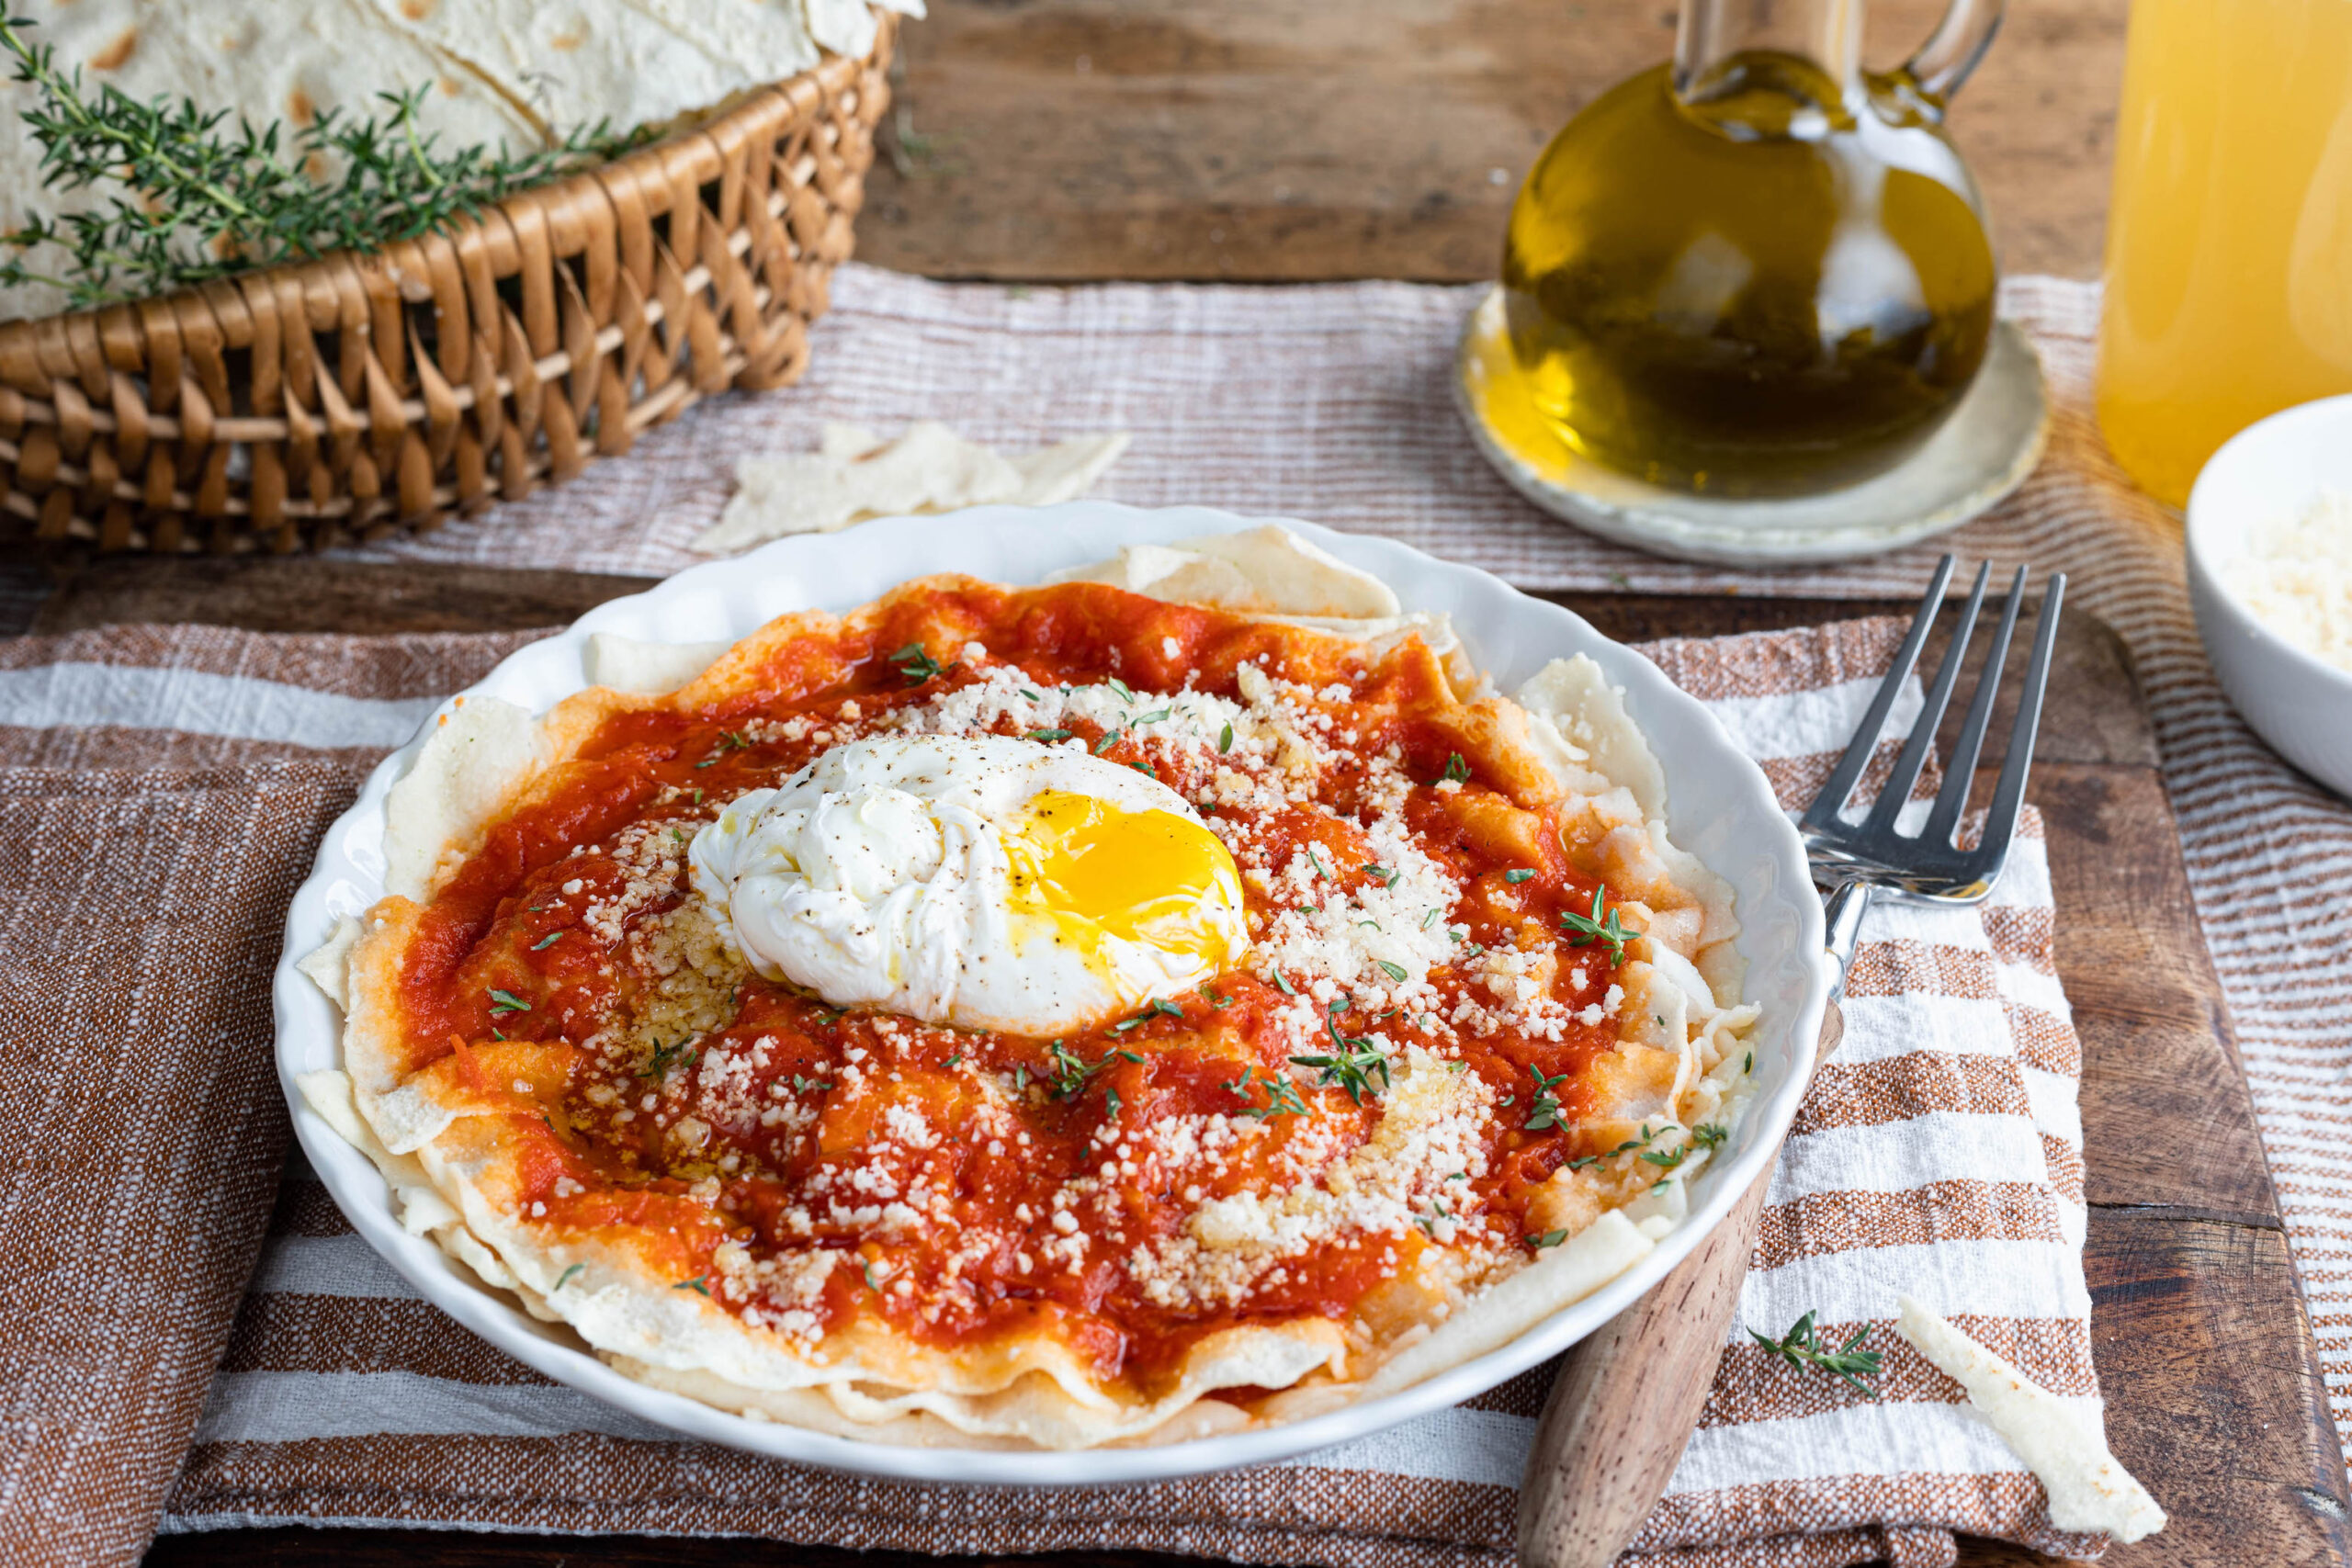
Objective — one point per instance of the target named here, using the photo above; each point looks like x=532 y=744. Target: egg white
x=879 y=877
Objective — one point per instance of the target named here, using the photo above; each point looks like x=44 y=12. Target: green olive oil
x=1762 y=285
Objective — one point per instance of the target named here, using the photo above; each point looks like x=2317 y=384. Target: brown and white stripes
x=1941 y=1155
x=1333 y=403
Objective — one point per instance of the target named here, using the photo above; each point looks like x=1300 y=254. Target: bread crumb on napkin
x=2088 y=1490
x=855 y=474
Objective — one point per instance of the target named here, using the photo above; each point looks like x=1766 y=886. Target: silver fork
x=1628 y=1396
x=1858 y=861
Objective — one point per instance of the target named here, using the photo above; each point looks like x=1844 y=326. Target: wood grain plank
x=1287 y=139
x=2187 y=1322
x=2166 y=1113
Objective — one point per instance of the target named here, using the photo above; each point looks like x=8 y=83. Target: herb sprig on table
x=192 y=198
x=1848 y=1363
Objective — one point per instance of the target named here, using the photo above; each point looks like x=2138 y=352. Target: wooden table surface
x=1305 y=138
x=1073 y=140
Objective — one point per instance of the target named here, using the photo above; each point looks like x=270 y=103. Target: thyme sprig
x=191 y=198
x=916 y=664
x=1071 y=1073
x=1282 y=1097
x=1802 y=1348
x=1603 y=925
x=1352 y=1060
x=1543 y=1111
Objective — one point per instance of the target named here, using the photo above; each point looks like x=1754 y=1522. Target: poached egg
x=977 y=881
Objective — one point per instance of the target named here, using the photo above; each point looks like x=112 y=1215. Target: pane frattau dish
x=1175 y=999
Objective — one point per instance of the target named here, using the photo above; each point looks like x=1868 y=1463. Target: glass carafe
x=2229 y=238
x=1758 y=270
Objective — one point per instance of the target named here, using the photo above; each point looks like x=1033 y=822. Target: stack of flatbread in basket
x=512 y=74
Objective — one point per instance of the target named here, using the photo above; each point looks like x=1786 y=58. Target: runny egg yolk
x=1090 y=869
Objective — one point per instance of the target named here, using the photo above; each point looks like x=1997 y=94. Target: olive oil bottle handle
x=1951 y=52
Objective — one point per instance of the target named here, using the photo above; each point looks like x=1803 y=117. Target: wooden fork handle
x=1629 y=1396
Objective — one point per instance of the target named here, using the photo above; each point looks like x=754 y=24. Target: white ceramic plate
x=1721 y=808
x=1984 y=450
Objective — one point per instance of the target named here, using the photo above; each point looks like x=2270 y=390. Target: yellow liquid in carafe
x=2229 y=247
x=1754 y=295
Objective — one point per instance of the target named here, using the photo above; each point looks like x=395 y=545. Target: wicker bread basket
x=327 y=402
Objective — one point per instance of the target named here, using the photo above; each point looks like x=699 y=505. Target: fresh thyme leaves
x=1127 y=692
x=1156 y=1007
x=1748 y=1064
x=1281 y=1096
x=871 y=1282
x=1047 y=735
x=1110 y=1103
x=1353 y=1059
x=1430 y=1222
x=1517 y=875
x=1802 y=1348
x=1110 y=738
x=507 y=1002
x=1317 y=861
x=1430 y=919
x=1628 y=1146
x=952 y=1060
x=729 y=740
x=1710 y=1135
x=190 y=198
x=547 y=942
x=1071 y=1072
x=803 y=1086
x=1394 y=971
x=1282 y=983
x=699 y=1284
x=1667 y=1159
x=915 y=664
x=1154 y=717
x=659 y=1062
x=1146 y=769
x=1549 y=1239
x=1543 y=1111
x=1225 y=741
x=1456 y=770
x=1209 y=995
x=1383 y=875
x=1602 y=925
x=565 y=1278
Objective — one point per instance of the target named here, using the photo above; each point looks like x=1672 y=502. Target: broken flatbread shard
x=853 y=476
x=2088 y=1490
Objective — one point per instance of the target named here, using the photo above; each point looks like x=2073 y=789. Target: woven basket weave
x=337 y=400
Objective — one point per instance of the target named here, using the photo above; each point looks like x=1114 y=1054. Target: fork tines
x=1932 y=863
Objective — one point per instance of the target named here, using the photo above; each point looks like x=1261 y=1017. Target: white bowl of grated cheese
x=2270 y=576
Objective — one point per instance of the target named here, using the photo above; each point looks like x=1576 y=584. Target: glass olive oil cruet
x=1758 y=270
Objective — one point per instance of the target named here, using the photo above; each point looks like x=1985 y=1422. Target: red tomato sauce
x=506 y=950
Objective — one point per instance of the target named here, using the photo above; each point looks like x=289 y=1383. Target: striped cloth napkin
x=1938 y=1154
